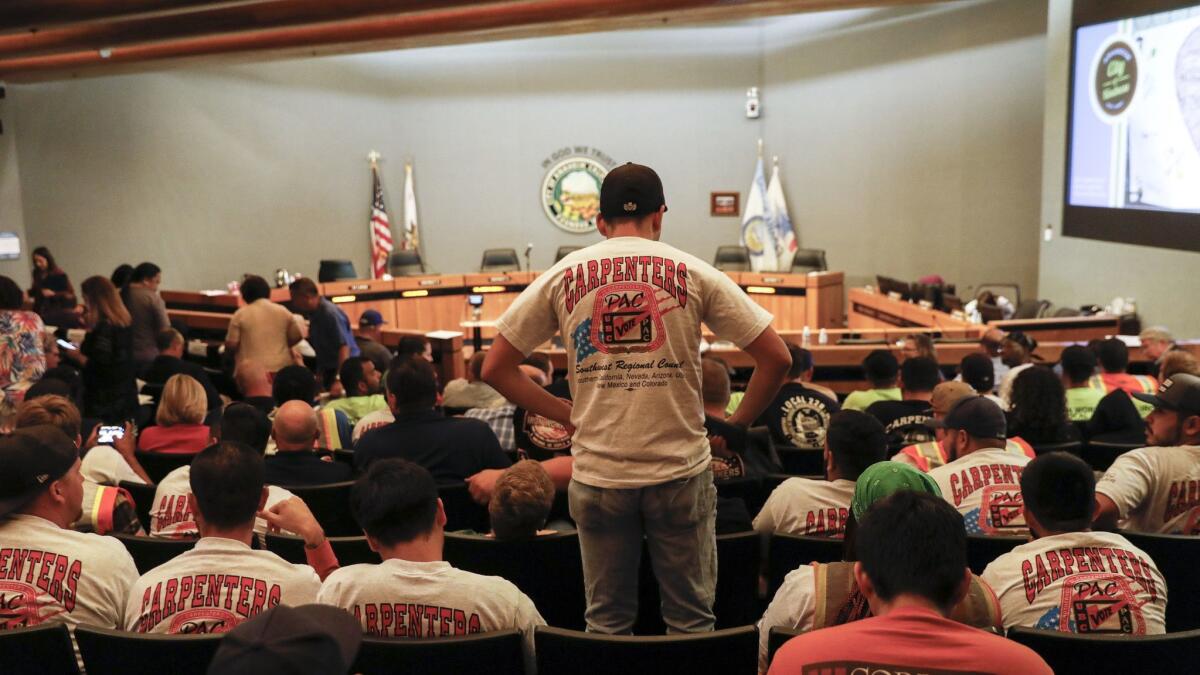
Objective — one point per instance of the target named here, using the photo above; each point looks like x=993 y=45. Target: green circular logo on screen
x=1115 y=78
x=571 y=193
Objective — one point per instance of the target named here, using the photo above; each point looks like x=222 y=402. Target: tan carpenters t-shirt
x=629 y=310
x=264 y=331
x=1156 y=489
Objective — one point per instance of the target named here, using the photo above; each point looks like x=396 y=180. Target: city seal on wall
x=571 y=188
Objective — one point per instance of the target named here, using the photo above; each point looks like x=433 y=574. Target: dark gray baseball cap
x=30 y=460
x=1180 y=392
x=978 y=416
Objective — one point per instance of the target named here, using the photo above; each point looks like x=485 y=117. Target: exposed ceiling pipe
x=243 y=17
x=449 y=20
x=34 y=14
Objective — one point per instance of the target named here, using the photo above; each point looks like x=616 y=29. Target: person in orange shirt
x=912 y=568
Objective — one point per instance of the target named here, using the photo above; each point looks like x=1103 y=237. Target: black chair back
x=349 y=550
x=786 y=552
x=733 y=651
x=1175 y=556
x=143 y=500
x=547 y=568
x=114 y=652
x=749 y=489
x=498 y=652
x=40 y=649
x=564 y=251
x=809 y=260
x=333 y=270
x=1072 y=447
x=738 y=559
x=982 y=550
x=1074 y=654
x=776 y=639
x=331 y=506
x=732 y=259
x=405 y=263
x=500 y=260
x=159 y=464
x=801 y=461
x=343 y=455
x=462 y=512
x=1101 y=454
x=150 y=552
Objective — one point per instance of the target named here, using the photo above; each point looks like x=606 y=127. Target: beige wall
x=11 y=217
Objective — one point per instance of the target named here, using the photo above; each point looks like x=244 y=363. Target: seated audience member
x=1173 y=363
x=912 y=590
x=979 y=371
x=805 y=506
x=521 y=501
x=1113 y=355
x=982 y=479
x=329 y=331
x=908 y=420
x=294 y=462
x=305 y=639
x=297 y=383
x=1016 y=352
x=472 y=392
x=104 y=507
x=411 y=346
x=397 y=505
x=799 y=414
x=1157 y=489
x=930 y=454
x=64 y=381
x=40 y=496
x=180 y=419
x=51 y=350
x=991 y=343
x=1078 y=365
x=541 y=361
x=22 y=360
x=881 y=369
x=1157 y=342
x=918 y=344
x=728 y=443
x=1036 y=581
x=360 y=381
x=227 y=491
x=261 y=331
x=1038 y=411
x=172 y=512
x=254 y=384
x=451 y=448
x=170 y=362
x=370 y=340
x=534 y=437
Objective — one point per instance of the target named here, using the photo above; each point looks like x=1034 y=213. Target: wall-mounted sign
x=571 y=188
x=724 y=204
x=10 y=246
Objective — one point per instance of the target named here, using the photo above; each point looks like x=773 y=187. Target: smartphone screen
x=66 y=345
x=109 y=434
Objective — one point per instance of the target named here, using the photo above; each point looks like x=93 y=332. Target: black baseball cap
x=31 y=459
x=1180 y=392
x=631 y=190
x=304 y=639
x=978 y=416
x=1022 y=339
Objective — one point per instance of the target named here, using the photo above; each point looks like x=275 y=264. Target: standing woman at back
x=52 y=293
x=110 y=389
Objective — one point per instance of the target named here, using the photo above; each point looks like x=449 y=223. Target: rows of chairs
x=731 y=651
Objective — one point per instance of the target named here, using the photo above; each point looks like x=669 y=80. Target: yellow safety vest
x=931 y=455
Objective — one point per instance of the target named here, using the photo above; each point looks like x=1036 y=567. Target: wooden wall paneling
x=357 y=296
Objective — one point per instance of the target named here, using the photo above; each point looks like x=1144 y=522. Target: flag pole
x=760 y=148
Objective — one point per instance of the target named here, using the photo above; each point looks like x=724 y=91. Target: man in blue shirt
x=328 y=329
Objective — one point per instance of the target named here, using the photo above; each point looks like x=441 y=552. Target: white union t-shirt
x=171 y=513
x=1156 y=489
x=104 y=465
x=807 y=507
x=214 y=587
x=52 y=575
x=985 y=487
x=629 y=311
x=1080 y=582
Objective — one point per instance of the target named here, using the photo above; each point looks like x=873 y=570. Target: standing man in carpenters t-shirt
x=629 y=311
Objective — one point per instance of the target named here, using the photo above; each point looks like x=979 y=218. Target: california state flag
x=412 y=238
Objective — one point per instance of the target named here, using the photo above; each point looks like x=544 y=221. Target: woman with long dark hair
x=1039 y=408
x=52 y=290
x=110 y=387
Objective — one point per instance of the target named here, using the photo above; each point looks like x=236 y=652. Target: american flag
x=381 y=229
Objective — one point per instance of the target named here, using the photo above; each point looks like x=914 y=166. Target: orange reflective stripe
x=1148 y=384
x=926 y=456
x=328 y=439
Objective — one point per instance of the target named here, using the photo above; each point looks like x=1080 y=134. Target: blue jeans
x=678 y=522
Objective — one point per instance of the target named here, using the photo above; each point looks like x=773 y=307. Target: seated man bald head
x=294 y=463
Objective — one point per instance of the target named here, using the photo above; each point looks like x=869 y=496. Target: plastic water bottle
x=822 y=337
x=805 y=336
